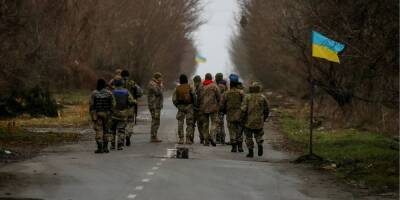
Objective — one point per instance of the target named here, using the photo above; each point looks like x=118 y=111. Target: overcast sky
x=212 y=39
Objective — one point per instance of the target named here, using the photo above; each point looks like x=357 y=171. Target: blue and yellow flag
x=200 y=59
x=323 y=47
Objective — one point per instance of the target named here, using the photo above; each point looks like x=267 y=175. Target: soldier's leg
x=114 y=124
x=121 y=126
x=205 y=124
x=107 y=135
x=129 y=129
x=232 y=135
x=249 y=142
x=259 y=134
x=180 y=116
x=155 y=124
x=200 y=127
x=98 y=127
x=213 y=129
x=189 y=125
x=222 y=127
x=239 y=136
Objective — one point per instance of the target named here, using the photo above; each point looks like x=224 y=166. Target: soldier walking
x=121 y=112
x=220 y=135
x=184 y=98
x=255 y=112
x=196 y=121
x=230 y=105
x=133 y=88
x=155 y=103
x=210 y=97
x=100 y=105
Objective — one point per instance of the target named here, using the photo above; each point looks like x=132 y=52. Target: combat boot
x=128 y=141
x=234 y=148
x=99 y=148
x=180 y=141
x=250 y=154
x=213 y=143
x=120 y=146
x=112 y=146
x=155 y=140
x=105 y=147
x=240 y=147
x=260 y=150
x=189 y=141
x=201 y=141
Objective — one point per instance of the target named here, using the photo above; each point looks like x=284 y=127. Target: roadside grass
x=23 y=144
x=362 y=158
x=74 y=112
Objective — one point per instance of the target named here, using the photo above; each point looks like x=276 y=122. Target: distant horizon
x=212 y=40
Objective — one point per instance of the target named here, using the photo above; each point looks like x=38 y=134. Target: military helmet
x=234 y=78
x=157 y=75
x=219 y=77
x=118 y=71
x=255 y=87
x=197 y=79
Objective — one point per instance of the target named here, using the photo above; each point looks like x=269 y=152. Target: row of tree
x=274 y=40
x=68 y=44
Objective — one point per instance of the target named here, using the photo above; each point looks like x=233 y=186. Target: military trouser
x=185 y=111
x=235 y=132
x=197 y=122
x=220 y=134
x=155 y=121
x=130 y=123
x=118 y=129
x=101 y=126
x=258 y=135
x=209 y=132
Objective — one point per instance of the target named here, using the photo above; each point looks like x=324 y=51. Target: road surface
x=142 y=172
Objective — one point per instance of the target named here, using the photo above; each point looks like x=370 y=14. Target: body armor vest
x=102 y=102
x=121 y=99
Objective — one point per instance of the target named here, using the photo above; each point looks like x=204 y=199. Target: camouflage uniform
x=116 y=77
x=130 y=86
x=230 y=104
x=155 y=103
x=254 y=113
x=209 y=107
x=196 y=118
x=185 y=110
x=101 y=103
x=220 y=120
x=121 y=112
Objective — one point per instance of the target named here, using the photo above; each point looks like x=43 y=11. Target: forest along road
x=141 y=171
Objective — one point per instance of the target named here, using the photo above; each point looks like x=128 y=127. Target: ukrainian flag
x=200 y=59
x=323 y=47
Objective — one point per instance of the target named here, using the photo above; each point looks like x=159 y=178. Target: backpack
x=234 y=99
x=184 y=94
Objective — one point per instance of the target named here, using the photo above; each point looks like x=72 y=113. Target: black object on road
x=182 y=153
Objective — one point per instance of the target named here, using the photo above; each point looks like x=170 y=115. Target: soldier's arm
x=243 y=109
x=266 y=109
x=131 y=100
x=174 y=99
x=218 y=94
x=222 y=105
x=91 y=102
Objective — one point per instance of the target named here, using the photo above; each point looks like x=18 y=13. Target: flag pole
x=312 y=91
x=310 y=156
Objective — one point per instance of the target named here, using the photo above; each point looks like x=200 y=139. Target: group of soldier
x=205 y=104
x=113 y=108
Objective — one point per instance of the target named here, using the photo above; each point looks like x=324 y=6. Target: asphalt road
x=142 y=172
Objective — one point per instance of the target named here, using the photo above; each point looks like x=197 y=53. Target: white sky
x=213 y=38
